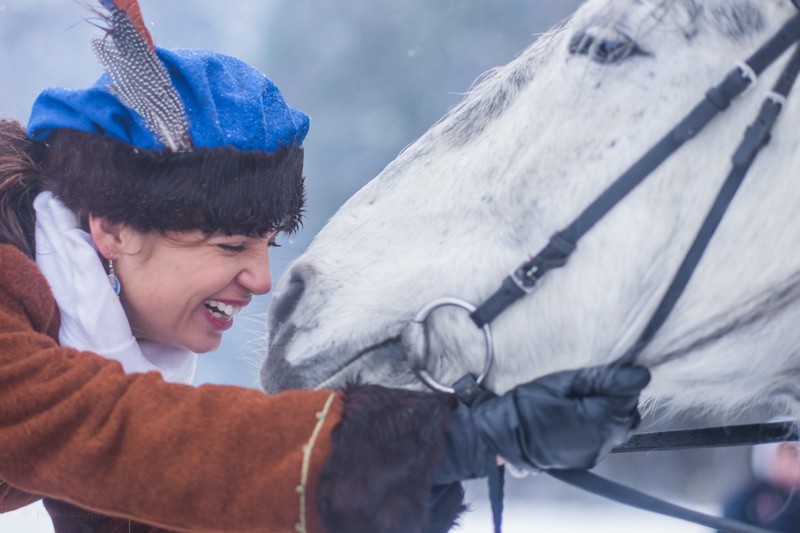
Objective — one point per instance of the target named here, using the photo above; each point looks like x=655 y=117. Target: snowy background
x=520 y=517
x=373 y=75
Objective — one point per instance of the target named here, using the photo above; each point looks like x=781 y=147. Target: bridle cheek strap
x=756 y=137
x=523 y=280
x=556 y=253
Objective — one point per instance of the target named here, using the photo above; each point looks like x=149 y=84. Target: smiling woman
x=167 y=298
x=169 y=178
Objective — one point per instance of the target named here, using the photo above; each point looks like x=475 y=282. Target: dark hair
x=213 y=189
x=20 y=182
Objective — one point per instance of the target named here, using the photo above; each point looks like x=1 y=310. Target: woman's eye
x=232 y=248
x=604 y=49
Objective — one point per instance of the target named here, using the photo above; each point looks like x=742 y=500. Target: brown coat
x=75 y=427
x=127 y=448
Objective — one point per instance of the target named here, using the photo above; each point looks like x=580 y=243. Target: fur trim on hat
x=216 y=190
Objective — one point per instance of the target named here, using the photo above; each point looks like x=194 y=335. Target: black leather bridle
x=562 y=244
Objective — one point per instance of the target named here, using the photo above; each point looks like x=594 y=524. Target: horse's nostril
x=284 y=303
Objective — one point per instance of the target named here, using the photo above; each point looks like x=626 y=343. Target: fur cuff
x=70 y=519
x=384 y=452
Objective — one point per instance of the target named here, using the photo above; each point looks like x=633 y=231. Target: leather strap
x=557 y=251
x=622 y=494
x=468 y=392
x=755 y=138
x=711 y=437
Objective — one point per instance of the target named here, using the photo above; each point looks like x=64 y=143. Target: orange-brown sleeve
x=11 y=498
x=74 y=427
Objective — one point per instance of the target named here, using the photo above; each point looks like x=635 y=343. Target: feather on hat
x=172 y=139
x=175 y=99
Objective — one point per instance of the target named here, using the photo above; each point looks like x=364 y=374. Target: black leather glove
x=566 y=420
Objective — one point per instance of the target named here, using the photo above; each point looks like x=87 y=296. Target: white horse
x=530 y=146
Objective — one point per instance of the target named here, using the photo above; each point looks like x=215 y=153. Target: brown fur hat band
x=211 y=189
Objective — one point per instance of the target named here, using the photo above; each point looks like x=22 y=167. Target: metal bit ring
x=415 y=344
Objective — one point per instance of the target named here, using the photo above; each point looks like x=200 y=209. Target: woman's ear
x=107 y=237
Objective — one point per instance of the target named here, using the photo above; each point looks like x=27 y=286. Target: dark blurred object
x=772 y=499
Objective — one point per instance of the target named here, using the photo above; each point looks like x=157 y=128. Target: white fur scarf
x=92 y=317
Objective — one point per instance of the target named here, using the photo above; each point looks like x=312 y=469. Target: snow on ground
x=30 y=519
x=552 y=517
x=520 y=517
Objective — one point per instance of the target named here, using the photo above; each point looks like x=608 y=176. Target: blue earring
x=113 y=279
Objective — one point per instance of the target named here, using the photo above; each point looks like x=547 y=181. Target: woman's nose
x=255 y=276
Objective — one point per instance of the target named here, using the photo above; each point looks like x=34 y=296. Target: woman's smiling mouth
x=222 y=310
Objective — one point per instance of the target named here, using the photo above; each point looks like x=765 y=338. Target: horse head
x=530 y=146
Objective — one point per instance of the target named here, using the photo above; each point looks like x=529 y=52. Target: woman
x=169 y=179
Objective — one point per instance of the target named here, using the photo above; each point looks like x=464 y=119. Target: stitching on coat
x=301 y=526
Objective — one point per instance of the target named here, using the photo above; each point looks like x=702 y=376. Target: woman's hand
x=567 y=420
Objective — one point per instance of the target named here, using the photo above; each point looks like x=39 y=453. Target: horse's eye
x=604 y=47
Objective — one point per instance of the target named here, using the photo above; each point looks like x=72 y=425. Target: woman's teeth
x=222 y=310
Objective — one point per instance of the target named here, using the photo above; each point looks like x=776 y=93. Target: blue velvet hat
x=172 y=139
x=227 y=103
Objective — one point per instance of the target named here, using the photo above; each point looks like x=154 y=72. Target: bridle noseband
x=555 y=254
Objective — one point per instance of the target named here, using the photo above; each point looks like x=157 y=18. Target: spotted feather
x=139 y=79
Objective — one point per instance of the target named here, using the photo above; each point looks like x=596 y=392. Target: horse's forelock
x=638 y=18
x=734 y=19
x=737 y=19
